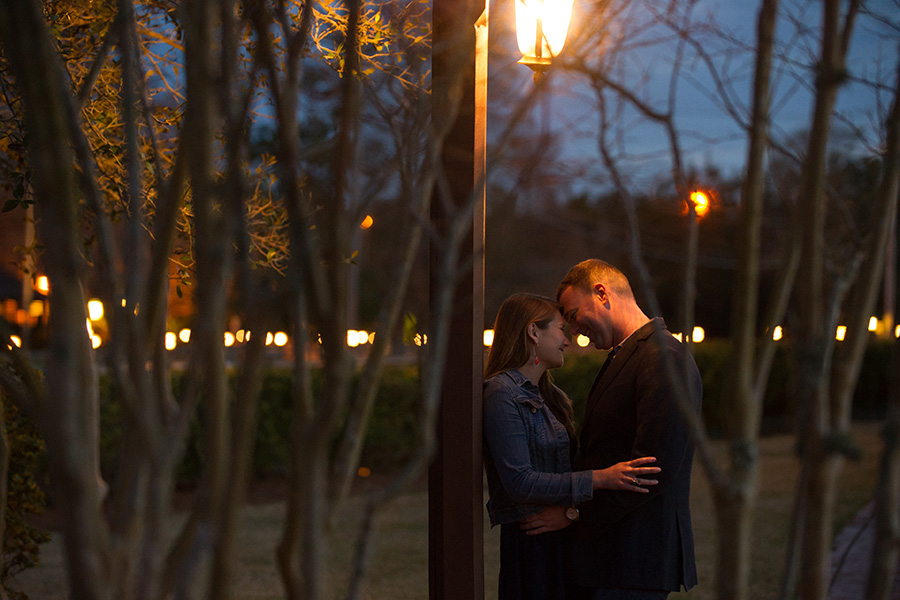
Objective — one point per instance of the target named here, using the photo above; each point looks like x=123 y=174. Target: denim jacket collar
x=529 y=392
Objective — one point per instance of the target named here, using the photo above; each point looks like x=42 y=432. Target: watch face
x=572 y=513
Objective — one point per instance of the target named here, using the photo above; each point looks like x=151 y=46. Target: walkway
x=852 y=557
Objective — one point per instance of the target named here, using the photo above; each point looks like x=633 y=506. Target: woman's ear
x=531 y=331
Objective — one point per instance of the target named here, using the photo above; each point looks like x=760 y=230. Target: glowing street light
x=42 y=284
x=95 y=310
x=541 y=30
x=698 y=335
x=701 y=202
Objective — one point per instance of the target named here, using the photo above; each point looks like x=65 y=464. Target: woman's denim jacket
x=526 y=452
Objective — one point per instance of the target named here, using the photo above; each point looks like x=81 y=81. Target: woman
x=529 y=445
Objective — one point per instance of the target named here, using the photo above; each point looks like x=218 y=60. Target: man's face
x=588 y=314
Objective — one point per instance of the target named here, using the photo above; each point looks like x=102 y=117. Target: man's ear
x=602 y=294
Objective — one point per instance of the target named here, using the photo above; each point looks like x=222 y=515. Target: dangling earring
x=536 y=359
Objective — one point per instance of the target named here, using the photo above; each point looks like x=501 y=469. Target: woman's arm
x=507 y=446
x=629 y=475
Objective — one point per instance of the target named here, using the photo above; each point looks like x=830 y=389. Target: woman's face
x=551 y=341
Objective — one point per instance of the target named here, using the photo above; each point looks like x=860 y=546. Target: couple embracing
x=604 y=516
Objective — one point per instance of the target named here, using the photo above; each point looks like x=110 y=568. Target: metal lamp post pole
x=455 y=491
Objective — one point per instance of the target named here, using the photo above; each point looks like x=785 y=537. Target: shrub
x=21 y=540
x=391 y=436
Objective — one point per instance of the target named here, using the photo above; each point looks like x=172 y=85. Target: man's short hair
x=588 y=272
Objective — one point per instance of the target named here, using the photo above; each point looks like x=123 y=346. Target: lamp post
x=455 y=488
x=541 y=30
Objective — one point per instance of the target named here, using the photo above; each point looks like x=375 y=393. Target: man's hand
x=552 y=518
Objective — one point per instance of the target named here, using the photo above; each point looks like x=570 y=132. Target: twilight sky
x=709 y=135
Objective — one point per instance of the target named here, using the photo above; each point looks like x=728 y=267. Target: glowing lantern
x=541 y=29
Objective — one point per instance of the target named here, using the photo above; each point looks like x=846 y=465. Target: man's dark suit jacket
x=626 y=539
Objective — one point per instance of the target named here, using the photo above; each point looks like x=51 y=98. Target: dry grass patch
x=400 y=566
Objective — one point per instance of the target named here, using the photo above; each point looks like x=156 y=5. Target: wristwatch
x=572 y=513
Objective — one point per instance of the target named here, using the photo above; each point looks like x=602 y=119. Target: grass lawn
x=400 y=566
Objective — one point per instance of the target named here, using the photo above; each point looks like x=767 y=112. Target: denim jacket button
x=533 y=410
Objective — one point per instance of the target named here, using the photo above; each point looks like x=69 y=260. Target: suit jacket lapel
x=615 y=363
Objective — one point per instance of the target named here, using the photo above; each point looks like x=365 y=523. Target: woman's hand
x=630 y=475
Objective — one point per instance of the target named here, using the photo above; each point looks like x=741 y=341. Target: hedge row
x=391 y=433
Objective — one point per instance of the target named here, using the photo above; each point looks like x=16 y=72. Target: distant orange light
x=42 y=284
x=367 y=222
x=701 y=202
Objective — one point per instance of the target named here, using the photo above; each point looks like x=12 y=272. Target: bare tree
x=621 y=36
x=185 y=195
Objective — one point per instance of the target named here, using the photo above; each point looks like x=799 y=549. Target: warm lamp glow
x=488 y=337
x=42 y=284
x=95 y=310
x=171 y=340
x=778 y=333
x=700 y=200
x=698 y=335
x=582 y=341
x=541 y=29
x=873 y=323
x=367 y=222
x=841 y=333
x=184 y=335
x=16 y=341
x=280 y=339
x=36 y=308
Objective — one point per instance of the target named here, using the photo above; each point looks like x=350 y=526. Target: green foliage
x=391 y=435
x=21 y=541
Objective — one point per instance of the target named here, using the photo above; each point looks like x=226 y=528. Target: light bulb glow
x=95 y=310
x=700 y=201
x=541 y=28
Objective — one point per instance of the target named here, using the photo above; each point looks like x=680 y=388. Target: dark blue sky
x=709 y=136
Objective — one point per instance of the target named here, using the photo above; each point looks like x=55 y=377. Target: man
x=629 y=546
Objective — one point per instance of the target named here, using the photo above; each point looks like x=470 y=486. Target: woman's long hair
x=512 y=347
